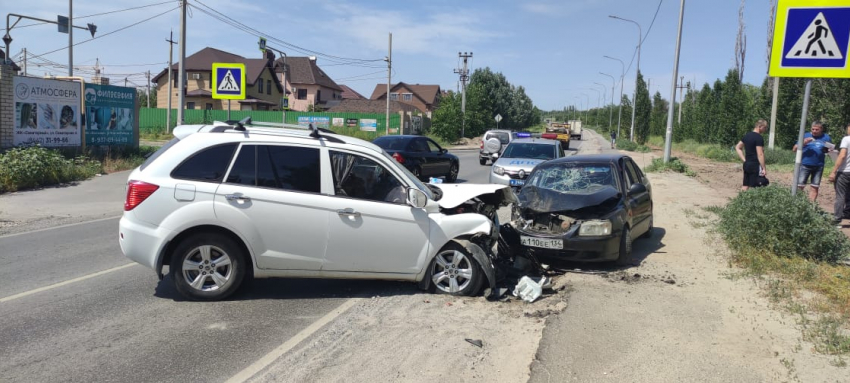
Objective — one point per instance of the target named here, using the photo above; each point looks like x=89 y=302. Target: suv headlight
x=595 y=228
x=499 y=170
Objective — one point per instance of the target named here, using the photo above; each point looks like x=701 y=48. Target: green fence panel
x=154 y=119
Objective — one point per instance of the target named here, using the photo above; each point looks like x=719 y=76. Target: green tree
x=625 y=118
x=658 y=125
x=733 y=121
x=643 y=111
x=143 y=98
x=447 y=119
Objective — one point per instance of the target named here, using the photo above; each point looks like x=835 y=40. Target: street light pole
x=70 y=38
x=611 y=108
x=668 y=141
x=622 y=80
x=586 y=116
x=637 y=72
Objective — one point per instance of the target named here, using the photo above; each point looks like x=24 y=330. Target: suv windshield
x=503 y=137
x=530 y=150
x=574 y=178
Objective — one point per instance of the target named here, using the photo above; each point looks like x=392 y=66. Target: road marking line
x=59 y=227
x=68 y=282
x=269 y=358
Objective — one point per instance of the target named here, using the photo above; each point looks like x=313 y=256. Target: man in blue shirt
x=811 y=168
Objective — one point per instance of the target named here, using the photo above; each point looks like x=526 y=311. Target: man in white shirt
x=841 y=176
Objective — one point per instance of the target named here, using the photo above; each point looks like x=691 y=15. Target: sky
x=553 y=48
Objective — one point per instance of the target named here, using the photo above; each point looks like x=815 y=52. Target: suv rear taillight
x=482 y=144
x=137 y=192
x=398 y=158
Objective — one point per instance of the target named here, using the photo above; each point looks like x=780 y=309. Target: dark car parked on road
x=421 y=155
x=583 y=208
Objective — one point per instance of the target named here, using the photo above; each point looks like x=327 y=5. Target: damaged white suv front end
x=221 y=203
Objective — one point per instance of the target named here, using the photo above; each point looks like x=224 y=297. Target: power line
x=104 y=13
x=238 y=25
x=645 y=35
x=109 y=33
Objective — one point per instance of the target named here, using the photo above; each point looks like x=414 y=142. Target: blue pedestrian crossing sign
x=811 y=39
x=228 y=81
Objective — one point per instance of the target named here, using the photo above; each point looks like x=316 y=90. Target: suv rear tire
x=207 y=267
x=482 y=161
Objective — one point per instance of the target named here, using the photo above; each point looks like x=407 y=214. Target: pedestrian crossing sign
x=811 y=39
x=228 y=81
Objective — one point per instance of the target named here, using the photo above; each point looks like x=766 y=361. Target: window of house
x=407 y=96
x=190 y=105
x=362 y=178
x=207 y=165
x=268 y=86
x=260 y=86
x=174 y=82
x=208 y=106
x=302 y=94
x=280 y=167
x=393 y=96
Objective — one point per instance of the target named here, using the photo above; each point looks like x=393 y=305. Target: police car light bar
x=523 y=134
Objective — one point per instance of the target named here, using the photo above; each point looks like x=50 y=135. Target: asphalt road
x=72 y=308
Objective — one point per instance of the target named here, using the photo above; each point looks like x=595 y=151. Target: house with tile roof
x=351 y=94
x=424 y=97
x=263 y=89
x=308 y=85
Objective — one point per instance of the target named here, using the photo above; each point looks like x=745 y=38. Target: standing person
x=841 y=176
x=753 y=143
x=811 y=168
x=613 y=138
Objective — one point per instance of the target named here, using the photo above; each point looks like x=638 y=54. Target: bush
x=770 y=220
x=779 y=157
x=632 y=146
x=35 y=166
x=674 y=165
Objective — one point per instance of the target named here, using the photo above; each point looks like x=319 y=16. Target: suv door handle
x=348 y=212
x=236 y=197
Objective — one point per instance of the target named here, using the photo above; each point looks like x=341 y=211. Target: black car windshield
x=392 y=143
x=503 y=137
x=574 y=178
x=530 y=150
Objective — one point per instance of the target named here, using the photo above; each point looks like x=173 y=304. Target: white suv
x=221 y=203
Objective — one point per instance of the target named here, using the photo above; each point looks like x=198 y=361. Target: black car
x=583 y=208
x=421 y=155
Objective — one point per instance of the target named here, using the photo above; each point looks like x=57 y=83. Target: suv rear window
x=207 y=165
x=159 y=152
x=503 y=137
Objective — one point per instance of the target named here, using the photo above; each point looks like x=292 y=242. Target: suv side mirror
x=637 y=188
x=416 y=198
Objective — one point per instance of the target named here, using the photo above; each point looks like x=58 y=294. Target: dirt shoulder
x=679 y=314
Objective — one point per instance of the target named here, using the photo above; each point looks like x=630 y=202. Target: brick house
x=424 y=97
x=263 y=89
x=307 y=84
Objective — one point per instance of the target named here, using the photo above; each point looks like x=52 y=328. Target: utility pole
x=25 y=61
x=668 y=140
x=611 y=107
x=464 y=77
x=149 y=89
x=70 y=38
x=681 y=87
x=169 y=87
x=389 y=80
x=181 y=71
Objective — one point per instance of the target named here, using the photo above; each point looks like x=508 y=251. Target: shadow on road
x=297 y=288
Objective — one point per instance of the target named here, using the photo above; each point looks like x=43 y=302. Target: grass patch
x=792 y=245
x=35 y=166
x=674 y=165
x=632 y=146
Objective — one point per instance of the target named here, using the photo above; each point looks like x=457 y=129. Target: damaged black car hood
x=541 y=200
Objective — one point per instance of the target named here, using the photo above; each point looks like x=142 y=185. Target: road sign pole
x=228 y=110
x=799 y=156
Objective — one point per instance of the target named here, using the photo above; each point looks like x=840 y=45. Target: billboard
x=110 y=114
x=47 y=112
x=321 y=122
x=368 y=124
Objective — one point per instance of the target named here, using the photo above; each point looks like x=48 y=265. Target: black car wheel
x=207 y=267
x=452 y=176
x=625 y=258
x=482 y=161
